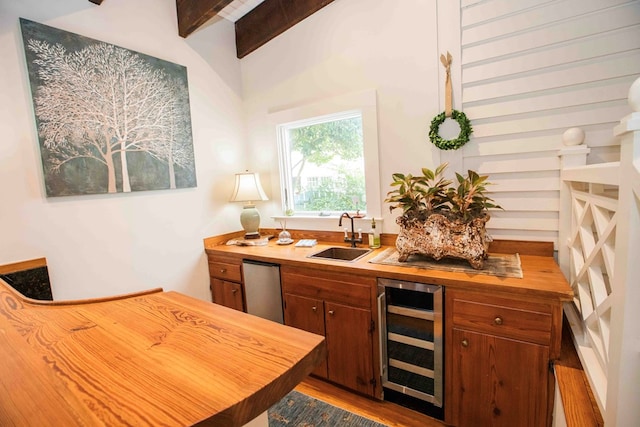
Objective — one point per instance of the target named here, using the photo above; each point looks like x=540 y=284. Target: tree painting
x=109 y=119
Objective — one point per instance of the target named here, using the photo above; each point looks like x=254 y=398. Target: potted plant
x=440 y=220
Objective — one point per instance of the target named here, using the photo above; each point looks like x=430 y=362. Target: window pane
x=326 y=165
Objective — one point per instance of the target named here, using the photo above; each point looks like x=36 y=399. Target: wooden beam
x=270 y=19
x=193 y=14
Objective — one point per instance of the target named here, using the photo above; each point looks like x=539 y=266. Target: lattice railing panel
x=592 y=255
x=600 y=235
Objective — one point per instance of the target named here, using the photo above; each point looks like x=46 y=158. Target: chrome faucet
x=353 y=239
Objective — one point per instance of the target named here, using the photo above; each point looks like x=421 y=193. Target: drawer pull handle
x=233 y=291
x=498 y=320
x=314 y=308
x=331 y=312
x=465 y=342
x=223 y=270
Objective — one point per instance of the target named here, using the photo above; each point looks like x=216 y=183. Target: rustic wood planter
x=439 y=237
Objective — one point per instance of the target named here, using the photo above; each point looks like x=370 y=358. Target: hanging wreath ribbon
x=446 y=61
x=459 y=116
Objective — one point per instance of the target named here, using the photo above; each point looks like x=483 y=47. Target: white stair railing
x=599 y=254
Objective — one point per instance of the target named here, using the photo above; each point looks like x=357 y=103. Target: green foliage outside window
x=336 y=147
x=349 y=195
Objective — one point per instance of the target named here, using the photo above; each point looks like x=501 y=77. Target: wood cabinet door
x=497 y=381
x=228 y=294
x=349 y=346
x=306 y=314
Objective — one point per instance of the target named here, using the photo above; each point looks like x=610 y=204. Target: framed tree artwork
x=109 y=119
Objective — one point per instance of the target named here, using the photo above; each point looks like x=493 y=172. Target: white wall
x=110 y=244
x=350 y=46
x=523 y=71
x=100 y=245
x=531 y=70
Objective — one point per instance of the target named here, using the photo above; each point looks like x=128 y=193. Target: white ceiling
x=237 y=9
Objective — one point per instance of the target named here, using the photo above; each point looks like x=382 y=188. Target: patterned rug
x=299 y=410
x=496 y=265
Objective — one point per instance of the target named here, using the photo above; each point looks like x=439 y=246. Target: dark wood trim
x=98 y=2
x=23 y=265
x=266 y=21
x=193 y=14
x=521 y=247
x=270 y=19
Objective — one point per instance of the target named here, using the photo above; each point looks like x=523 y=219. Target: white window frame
x=284 y=154
x=363 y=102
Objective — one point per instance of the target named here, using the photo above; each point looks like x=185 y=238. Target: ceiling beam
x=193 y=13
x=270 y=19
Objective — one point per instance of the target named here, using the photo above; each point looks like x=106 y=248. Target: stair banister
x=623 y=376
x=598 y=251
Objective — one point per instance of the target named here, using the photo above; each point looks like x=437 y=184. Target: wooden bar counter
x=501 y=334
x=148 y=359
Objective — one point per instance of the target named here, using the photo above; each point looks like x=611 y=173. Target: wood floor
x=383 y=412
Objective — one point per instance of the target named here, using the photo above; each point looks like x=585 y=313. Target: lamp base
x=250 y=220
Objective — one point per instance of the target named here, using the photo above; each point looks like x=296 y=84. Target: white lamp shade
x=248 y=188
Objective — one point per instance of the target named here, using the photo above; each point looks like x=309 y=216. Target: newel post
x=572 y=154
x=623 y=376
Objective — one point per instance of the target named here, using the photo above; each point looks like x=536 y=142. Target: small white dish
x=284 y=241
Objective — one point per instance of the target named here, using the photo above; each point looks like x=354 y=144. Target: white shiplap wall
x=531 y=69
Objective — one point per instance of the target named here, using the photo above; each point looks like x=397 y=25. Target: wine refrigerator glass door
x=411 y=339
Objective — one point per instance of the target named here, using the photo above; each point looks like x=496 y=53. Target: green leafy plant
x=469 y=199
x=421 y=196
x=416 y=194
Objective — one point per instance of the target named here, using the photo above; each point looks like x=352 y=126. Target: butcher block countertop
x=542 y=277
x=147 y=359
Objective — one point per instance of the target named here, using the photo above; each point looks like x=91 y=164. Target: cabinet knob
x=498 y=320
x=233 y=291
x=314 y=308
x=331 y=312
x=465 y=342
x=223 y=270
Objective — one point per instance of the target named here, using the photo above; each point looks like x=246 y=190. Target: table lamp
x=248 y=189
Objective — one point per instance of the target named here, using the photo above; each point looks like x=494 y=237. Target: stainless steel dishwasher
x=262 y=291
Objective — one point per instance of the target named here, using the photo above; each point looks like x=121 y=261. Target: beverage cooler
x=411 y=345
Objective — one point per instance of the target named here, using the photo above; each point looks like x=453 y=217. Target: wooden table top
x=148 y=359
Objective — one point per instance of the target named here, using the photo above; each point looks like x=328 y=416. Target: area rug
x=507 y=265
x=299 y=410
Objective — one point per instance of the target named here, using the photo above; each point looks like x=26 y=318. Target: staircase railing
x=599 y=254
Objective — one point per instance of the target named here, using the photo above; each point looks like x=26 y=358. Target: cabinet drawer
x=528 y=324
x=350 y=290
x=225 y=271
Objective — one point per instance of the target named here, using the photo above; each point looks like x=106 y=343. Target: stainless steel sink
x=341 y=253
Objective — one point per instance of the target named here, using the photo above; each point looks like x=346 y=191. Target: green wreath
x=450 y=144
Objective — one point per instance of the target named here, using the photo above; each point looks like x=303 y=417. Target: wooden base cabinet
x=226 y=293
x=499 y=352
x=306 y=314
x=339 y=308
x=225 y=278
